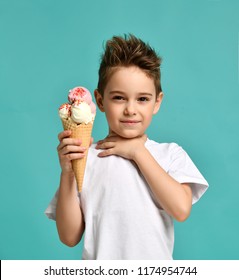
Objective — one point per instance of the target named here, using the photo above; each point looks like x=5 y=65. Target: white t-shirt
x=122 y=218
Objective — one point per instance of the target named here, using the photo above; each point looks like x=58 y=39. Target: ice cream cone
x=83 y=132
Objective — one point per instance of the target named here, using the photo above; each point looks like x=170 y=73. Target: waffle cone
x=83 y=132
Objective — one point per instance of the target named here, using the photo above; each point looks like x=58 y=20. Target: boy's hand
x=123 y=147
x=68 y=150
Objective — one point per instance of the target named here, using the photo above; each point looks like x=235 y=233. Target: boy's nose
x=130 y=109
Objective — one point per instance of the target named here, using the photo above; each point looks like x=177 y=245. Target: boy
x=133 y=187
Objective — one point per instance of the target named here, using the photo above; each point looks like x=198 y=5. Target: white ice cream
x=65 y=111
x=81 y=113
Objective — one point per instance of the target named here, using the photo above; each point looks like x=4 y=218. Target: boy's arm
x=69 y=217
x=175 y=198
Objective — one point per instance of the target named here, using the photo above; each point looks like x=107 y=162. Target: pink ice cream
x=81 y=94
x=93 y=108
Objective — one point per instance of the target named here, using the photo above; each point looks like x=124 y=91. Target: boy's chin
x=126 y=135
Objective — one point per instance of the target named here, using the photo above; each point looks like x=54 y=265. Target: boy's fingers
x=63 y=134
x=73 y=156
x=107 y=139
x=68 y=141
x=105 y=145
x=72 y=149
x=106 y=153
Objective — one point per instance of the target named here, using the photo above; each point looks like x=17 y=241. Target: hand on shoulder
x=123 y=147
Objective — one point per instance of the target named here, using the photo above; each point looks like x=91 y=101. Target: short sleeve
x=183 y=170
x=51 y=209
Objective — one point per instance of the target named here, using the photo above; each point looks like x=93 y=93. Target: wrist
x=67 y=180
x=139 y=154
x=68 y=174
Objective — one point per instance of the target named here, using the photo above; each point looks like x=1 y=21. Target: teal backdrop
x=50 y=46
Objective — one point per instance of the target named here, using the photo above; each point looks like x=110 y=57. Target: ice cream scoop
x=81 y=113
x=65 y=111
x=79 y=94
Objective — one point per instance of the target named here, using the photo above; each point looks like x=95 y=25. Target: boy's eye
x=118 y=97
x=143 y=99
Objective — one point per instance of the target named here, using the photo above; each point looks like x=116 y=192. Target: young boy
x=133 y=187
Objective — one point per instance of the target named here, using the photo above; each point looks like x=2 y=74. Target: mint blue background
x=50 y=46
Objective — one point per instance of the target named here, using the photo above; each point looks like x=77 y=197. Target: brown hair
x=128 y=51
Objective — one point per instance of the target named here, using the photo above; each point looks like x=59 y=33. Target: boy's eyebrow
x=145 y=93
x=122 y=92
x=116 y=91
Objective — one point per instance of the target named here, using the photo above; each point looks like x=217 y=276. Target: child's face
x=129 y=102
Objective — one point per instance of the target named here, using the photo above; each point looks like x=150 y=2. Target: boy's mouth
x=130 y=122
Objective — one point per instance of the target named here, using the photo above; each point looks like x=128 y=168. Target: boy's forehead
x=127 y=76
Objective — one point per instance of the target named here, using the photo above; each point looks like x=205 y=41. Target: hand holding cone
x=79 y=117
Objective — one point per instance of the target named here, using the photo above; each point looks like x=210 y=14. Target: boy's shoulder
x=164 y=150
x=151 y=144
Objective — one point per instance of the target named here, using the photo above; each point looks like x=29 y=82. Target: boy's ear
x=99 y=100
x=158 y=103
